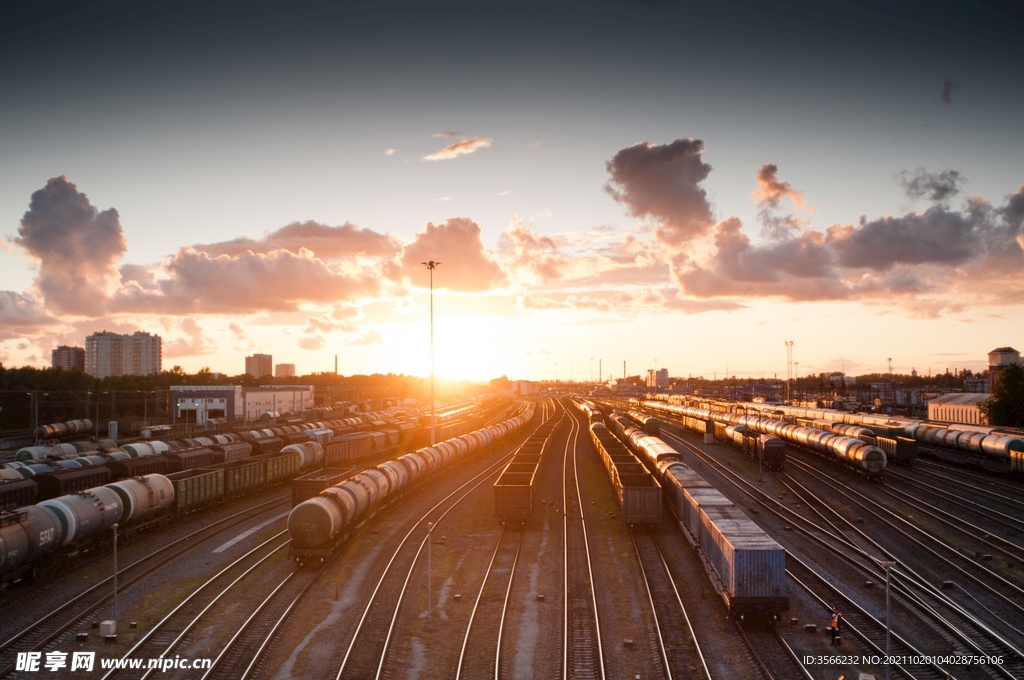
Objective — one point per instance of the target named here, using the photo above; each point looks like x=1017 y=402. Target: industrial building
x=68 y=358
x=998 y=359
x=957 y=407
x=259 y=365
x=284 y=371
x=197 y=404
x=109 y=354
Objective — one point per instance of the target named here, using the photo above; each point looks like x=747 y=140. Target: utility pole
x=789 y=369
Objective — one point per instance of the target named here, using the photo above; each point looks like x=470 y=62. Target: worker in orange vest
x=835 y=628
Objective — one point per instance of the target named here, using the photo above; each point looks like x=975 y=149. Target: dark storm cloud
x=77 y=247
x=1013 y=211
x=934 y=187
x=323 y=240
x=663 y=182
x=948 y=88
x=456 y=243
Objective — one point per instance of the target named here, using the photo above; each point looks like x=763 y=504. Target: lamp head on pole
x=430 y=264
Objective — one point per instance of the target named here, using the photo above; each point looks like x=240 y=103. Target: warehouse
x=199 y=403
x=958 y=407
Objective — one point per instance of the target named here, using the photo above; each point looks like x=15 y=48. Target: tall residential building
x=284 y=370
x=108 y=354
x=68 y=358
x=259 y=365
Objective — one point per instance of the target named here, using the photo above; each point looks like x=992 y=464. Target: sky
x=664 y=184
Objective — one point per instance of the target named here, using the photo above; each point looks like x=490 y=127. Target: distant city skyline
x=672 y=186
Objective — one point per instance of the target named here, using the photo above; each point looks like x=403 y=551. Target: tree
x=1006 y=405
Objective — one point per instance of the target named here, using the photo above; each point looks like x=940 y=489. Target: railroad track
x=238 y=660
x=1010 y=520
x=481 y=647
x=370 y=648
x=862 y=624
x=773 y=654
x=977 y=636
x=582 y=651
x=50 y=627
x=173 y=629
x=674 y=639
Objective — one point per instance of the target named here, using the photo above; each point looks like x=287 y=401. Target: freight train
x=747 y=566
x=321 y=525
x=993 y=448
x=32 y=544
x=865 y=458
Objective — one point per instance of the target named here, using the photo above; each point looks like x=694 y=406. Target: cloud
x=445 y=134
x=663 y=183
x=465 y=263
x=389 y=152
x=77 y=247
x=465 y=146
x=280 y=280
x=771 y=190
x=21 y=315
x=325 y=241
x=948 y=88
x=312 y=343
x=937 y=236
x=195 y=343
x=940 y=259
x=370 y=337
x=537 y=255
x=934 y=187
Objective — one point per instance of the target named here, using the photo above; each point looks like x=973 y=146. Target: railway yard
x=560 y=537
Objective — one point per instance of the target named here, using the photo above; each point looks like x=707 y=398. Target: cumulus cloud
x=456 y=243
x=934 y=187
x=323 y=240
x=312 y=343
x=948 y=88
x=20 y=315
x=942 y=253
x=76 y=245
x=937 y=236
x=663 y=182
x=771 y=190
x=280 y=280
x=370 y=337
x=460 y=148
x=538 y=255
x=194 y=342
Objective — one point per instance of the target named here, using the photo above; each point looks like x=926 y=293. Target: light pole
x=888 y=567
x=115 y=577
x=431 y=266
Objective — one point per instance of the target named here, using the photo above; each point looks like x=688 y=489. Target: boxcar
x=243 y=476
x=903 y=450
x=18 y=492
x=137 y=467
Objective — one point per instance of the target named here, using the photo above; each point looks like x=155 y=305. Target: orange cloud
x=456 y=243
x=771 y=190
x=465 y=146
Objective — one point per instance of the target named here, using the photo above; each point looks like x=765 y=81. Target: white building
x=958 y=407
x=199 y=403
x=284 y=371
x=657 y=379
x=108 y=354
